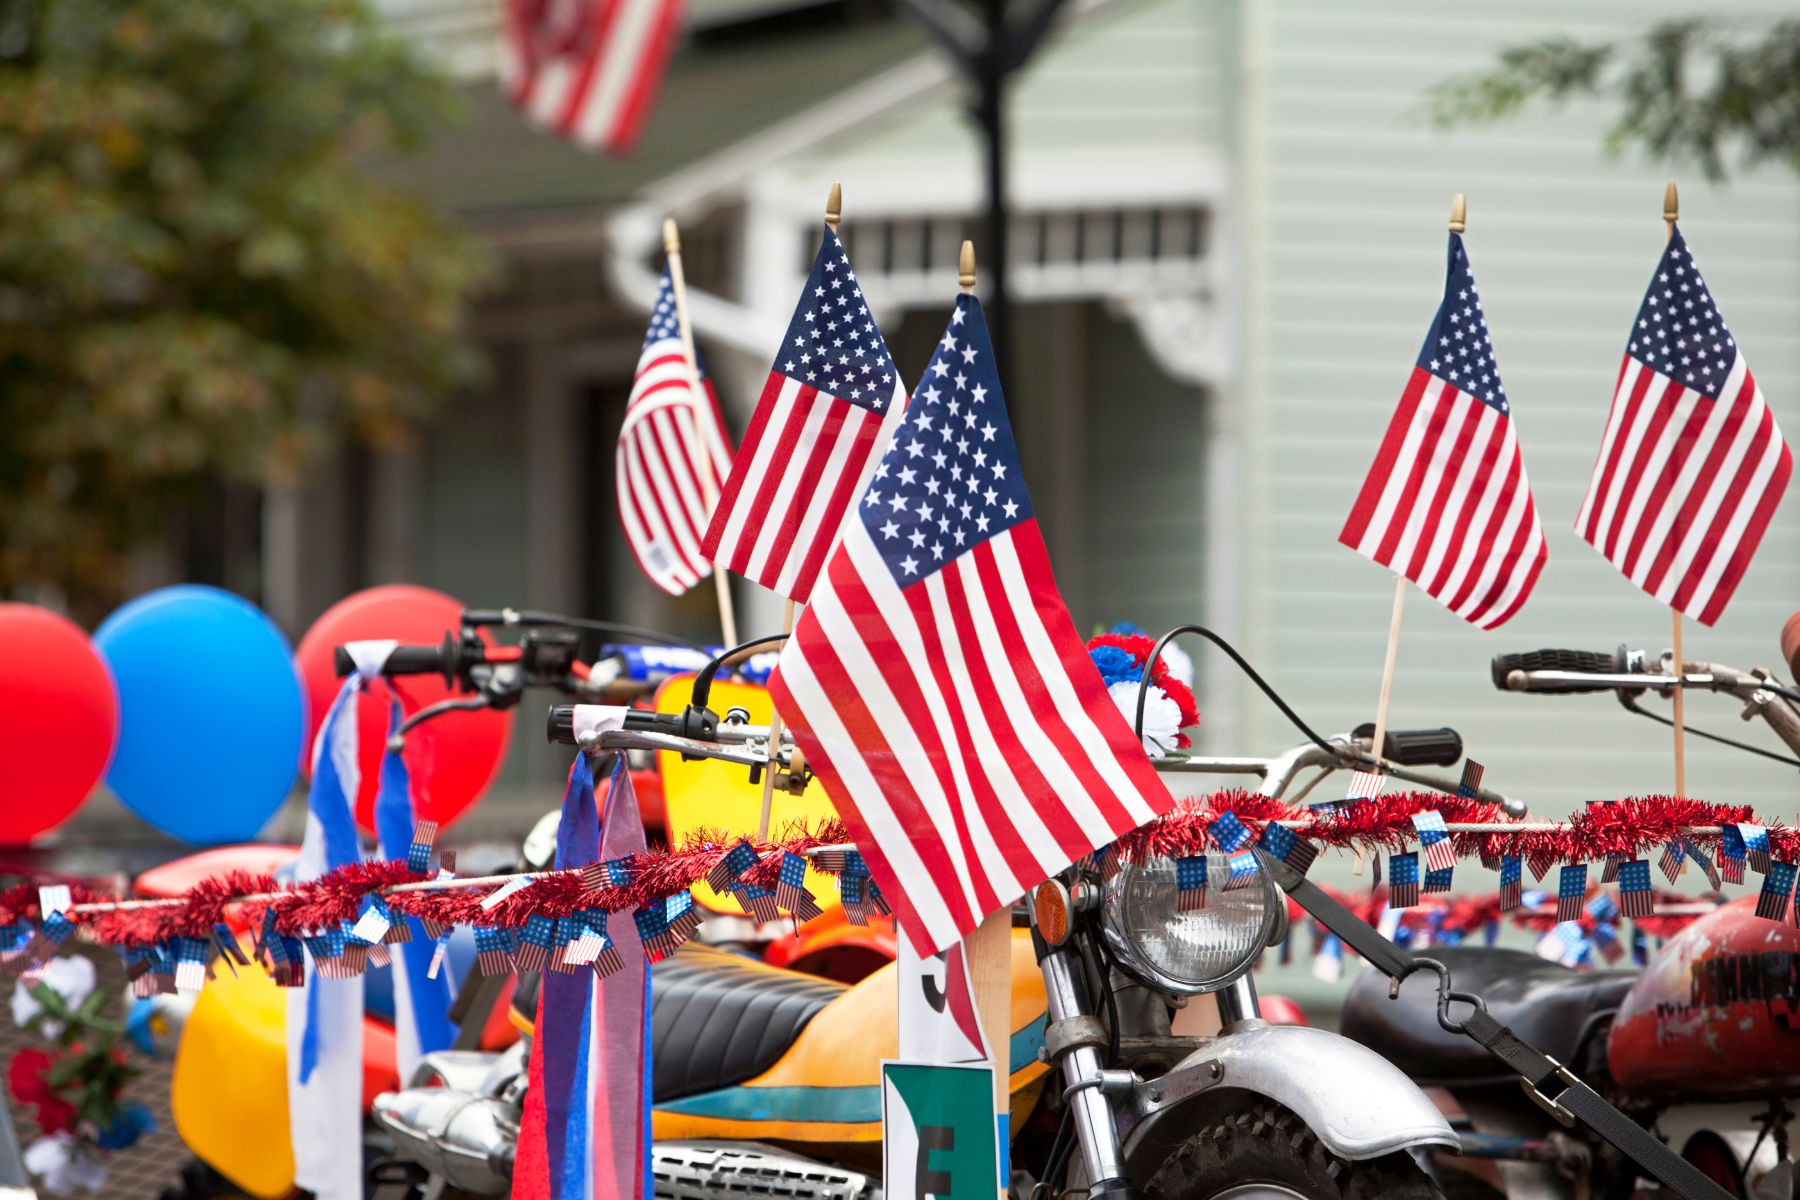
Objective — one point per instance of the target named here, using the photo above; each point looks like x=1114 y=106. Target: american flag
x=1692 y=464
x=587 y=70
x=831 y=402
x=662 y=476
x=938 y=600
x=1446 y=503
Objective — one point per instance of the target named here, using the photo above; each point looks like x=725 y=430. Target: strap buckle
x=1562 y=1115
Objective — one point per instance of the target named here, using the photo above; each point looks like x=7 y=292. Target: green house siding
x=1345 y=191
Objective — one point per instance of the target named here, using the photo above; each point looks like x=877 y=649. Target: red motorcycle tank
x=1716 y=1015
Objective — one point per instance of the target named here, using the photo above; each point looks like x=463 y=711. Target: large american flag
x=1692 y=463
x=661 y=473
x=1446 y=503
x=832 y=396
x=587 y=70
x=936 y=682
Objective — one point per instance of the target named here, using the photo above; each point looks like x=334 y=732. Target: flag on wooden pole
x=666 y=468
x=1446 y=502
x=832 y=400
x=936 y=682
x=1692 y=463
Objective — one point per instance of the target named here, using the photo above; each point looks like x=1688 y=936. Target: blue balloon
x=211 y=716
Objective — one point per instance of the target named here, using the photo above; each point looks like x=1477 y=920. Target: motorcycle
x=228 y=1092
x=1139 y=1061
x=1704 y=1041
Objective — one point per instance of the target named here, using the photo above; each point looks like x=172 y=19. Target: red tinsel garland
x=1386 y=823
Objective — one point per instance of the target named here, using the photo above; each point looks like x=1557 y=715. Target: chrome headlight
x=1187 y=952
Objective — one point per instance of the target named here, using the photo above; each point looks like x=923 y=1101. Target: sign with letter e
x=938 y=1131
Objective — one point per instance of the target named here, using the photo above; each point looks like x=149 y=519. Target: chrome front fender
x=1357 y=1102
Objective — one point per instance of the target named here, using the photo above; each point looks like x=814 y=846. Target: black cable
x=1631 y=704
x=703 y=681
x=1244 y=666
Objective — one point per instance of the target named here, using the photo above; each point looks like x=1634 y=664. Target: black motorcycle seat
x=717 y=1018
x=1555 y=1008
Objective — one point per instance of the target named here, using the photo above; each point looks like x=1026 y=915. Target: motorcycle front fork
x=1075 y=1036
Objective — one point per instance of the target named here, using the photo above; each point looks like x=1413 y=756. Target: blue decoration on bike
x=493 y=950
x=1733 y=854
x=1437 y=879
x=534 y=943
x=790 y=888
x=1571 y=890
x=737 y=860
x=1190 y=883
x=1635 y=897
x=211 y=716
x=1281 y=842
x=1778 y=885
x=1403 y=880
x=1240 y=869
x=1435 y=838
x=1230 y=833
x=1756 y=845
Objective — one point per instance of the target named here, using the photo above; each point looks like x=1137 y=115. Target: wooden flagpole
x=834 y=211
x=709 y=484
x=987 y=951
x=1671 y=213
x=1459 y=218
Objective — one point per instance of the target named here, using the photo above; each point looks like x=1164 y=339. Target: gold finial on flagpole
x=1671 y=207
x=965 y=266
x=834 y=206
x=1459 y=213
x=671 y=237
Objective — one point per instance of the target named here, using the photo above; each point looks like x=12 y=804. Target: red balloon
x=452 y=758
x=61 y=715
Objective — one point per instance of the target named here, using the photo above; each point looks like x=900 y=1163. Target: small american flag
x=1511 y=882
x=1778 y=885
x=1440 y=854
x=661 y=473
x=1403 y=880
x=587 y=70
x=1190 y=883
x=1571 y=891
x=1366 y=785
x=939 y=594
x=1692 y=464
x=790 y=888
x=1446 y=503
x=831 y=403
x=1635 y=896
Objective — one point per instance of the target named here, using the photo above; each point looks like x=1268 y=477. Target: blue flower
x=1115 y=665
x=132 y=1122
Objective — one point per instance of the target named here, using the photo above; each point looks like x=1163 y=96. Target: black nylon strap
x=1535 y=1067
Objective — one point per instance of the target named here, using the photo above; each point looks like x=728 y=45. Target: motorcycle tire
x=1267 y=1151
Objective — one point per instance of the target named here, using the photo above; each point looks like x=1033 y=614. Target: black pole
x=990 y=115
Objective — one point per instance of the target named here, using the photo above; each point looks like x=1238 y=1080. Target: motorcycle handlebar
x=560 y=726
x=1581 y=662
x=1440 y=747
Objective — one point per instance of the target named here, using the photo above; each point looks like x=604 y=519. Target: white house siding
x=1346 y=187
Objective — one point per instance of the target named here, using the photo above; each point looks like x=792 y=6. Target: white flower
x=1162 y=716
x=71 y=977
x=1180 y=665
x=62 y=1165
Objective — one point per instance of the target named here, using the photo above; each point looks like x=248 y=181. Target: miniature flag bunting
x=1240 y=869
x=1733 y=854
x=418 y=853
x=1756 y=846
x=375 y=921
x=534 y=943
x=1438 y=879
x=493 y=950
x=1635 y=897
x=1281 y=842
x=1610 y=872
x=1511 y=882
x=1571 y=889
x=1778 y=885
x=662 y=925
x=1470 y=785
x=1190 y=883
x=737 y=860
x=190 y=964
x=1230 y=833
x=1109 y=861
x=1540 y=865
x=853 y=889
x=1403 y=880
x=511 y=887
x=1440 y=855
x=790 y=889
x=759 y=902
x=1366 y=785
x=1671 y=861
x=1694 y=852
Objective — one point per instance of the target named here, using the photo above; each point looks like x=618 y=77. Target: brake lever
x=433 y=711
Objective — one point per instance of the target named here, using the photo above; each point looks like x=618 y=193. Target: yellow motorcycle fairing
x=711 y=796
x=826 y=1088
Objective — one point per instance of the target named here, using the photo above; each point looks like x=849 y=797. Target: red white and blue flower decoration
x=1168 y=708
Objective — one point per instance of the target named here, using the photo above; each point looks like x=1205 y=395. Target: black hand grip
x=1417 y=747
x=1587 y=662
x=401 y=660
